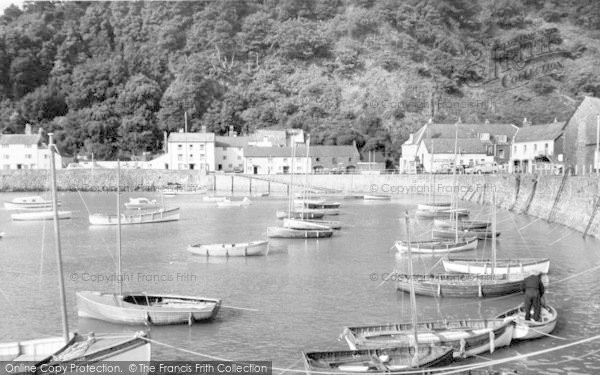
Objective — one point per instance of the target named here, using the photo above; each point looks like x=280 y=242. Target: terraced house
x=25 y=151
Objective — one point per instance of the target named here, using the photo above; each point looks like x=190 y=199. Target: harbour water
x=297 y=298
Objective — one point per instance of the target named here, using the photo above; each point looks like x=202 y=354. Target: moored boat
x=376 y=197
x=280 y=232
x=323 y=206
x=531 y=329
x=382 y=361
x=503 y=266
x=141 y=204
x=462 y=234
x=230 y=203
x=146 y=217
x=467 y=337
x=461 y=285
x=462 y=224
x=141 y=308
x=434 y=247
x=33 y=202
x=303 y=224
x=333 y=224
x=431 y=206
x=282 y=214
x=40 y=215
x=230 y=249
x=446 y=213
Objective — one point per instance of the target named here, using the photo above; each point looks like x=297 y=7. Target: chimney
x=203 y=128
x=181 y=130
x=430 y=121
x=40 y=131
x=555 y=120
x=487 y=121
x=354 y=143
x=231 y=134
x=165 y=142
x=27 y=129
x=526 y=123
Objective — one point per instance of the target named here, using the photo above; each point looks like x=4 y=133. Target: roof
x=314 y=151
x=446 y=145
x=540 y=132
x=225 y=141
x=191 y=137
x=274 y=136
x=464 y=131
x=20 y=139
x=586 y=114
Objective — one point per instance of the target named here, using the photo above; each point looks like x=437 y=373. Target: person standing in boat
x=533 y=287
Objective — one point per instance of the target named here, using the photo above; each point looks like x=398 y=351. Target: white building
x=537 y=147
x=191 y=151
x=229 y=153
x=273 y=138
x=26 y=151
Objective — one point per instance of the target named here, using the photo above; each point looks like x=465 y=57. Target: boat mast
x=454 y=195
x=432 y=194
x=413 y=299
x=306 y=174
x=493 y=232
x=119 y=276
x=291 y=204
x=61 y=281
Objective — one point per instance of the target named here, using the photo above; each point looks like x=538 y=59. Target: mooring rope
x=439 y=371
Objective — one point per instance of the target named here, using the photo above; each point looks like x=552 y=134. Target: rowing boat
x=531 y=329
x=33 y=202
x=280 y=232
x=40 y=215
x=467 y=337
x=462 y=234
x=230 y=249
x=432 y=214
x=462 y=286
x=437 y=247
x=303 y=224
x=462 y=224
x=144 y=217
x=503 y=266
x=434 y=206
x=377 y=361
x=282 y=214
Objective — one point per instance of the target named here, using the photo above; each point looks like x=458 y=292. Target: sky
x=6 y=3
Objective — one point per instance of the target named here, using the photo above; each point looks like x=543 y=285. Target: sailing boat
x=141 y=308
x=437 y=247
x=295 y=225
x=71 y=347
x=461 y=285
x=384 y=359
x=466 y=337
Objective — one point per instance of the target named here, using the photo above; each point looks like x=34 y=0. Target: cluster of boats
x=34 y=208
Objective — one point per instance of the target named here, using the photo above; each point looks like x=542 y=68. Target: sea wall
x=571 y=201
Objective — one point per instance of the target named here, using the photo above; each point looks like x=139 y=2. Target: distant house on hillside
x=537 y=148
x=431 y=148
x=26 y=151
x=581 y=135
x=229 y=153
x=191 y=150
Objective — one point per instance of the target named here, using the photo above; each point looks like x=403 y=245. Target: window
x=4 y=146
x=484 y=136
x=515 y=149
x=501 y=153
x=349 y=160
x=502 y=138
x=524 y=148
x=191 y=156
x=224 y=157
x=179 y=158
x=28 y=156
x=191 y=146
x=5 y=156
x=179 y=146
x=46 y=156
x=201 y=146
x=285 y=160
x=317 y=159
x=334 y=160
x=230 y=165
x=535 y=147
x=27 y=146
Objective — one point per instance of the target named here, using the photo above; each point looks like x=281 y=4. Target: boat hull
x=280 y=232
x=389 y=360
x=450 y=234
x=462 y=224
x=527 y=330
x=371 y=197
x=434 y=206
x=138 y=218
x=304 y=224
x=461 y=286
x=503 y=266
x=432 y=214
x=434 y=247
x=231 y=250
x=29 y=203
x=40 y=215
x=299 y=214
x=146 y=309
x=466 y=337
x=322 y=206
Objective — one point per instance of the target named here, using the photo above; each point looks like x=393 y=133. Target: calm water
x=304 y=291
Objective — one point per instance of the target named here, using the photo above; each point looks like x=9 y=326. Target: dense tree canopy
x=109 y=77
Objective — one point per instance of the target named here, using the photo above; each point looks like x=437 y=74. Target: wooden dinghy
x=462 y=224
x=40 y=215
x=531 y=329
x=282 y=214
x=141 y=204
x=466 y=337
x=141 y=308
x=231 y=249
x=48 y=353
x=377 y=361
x=33 y=202
x=280 y=232
x=376 y=197
x=229 y=203
x=304 y=224
x=462 y=234
x=461 y=285
x=432 y=214
x=434 y=206
x=434 y=247
x=503 y=266
x=146 y=217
